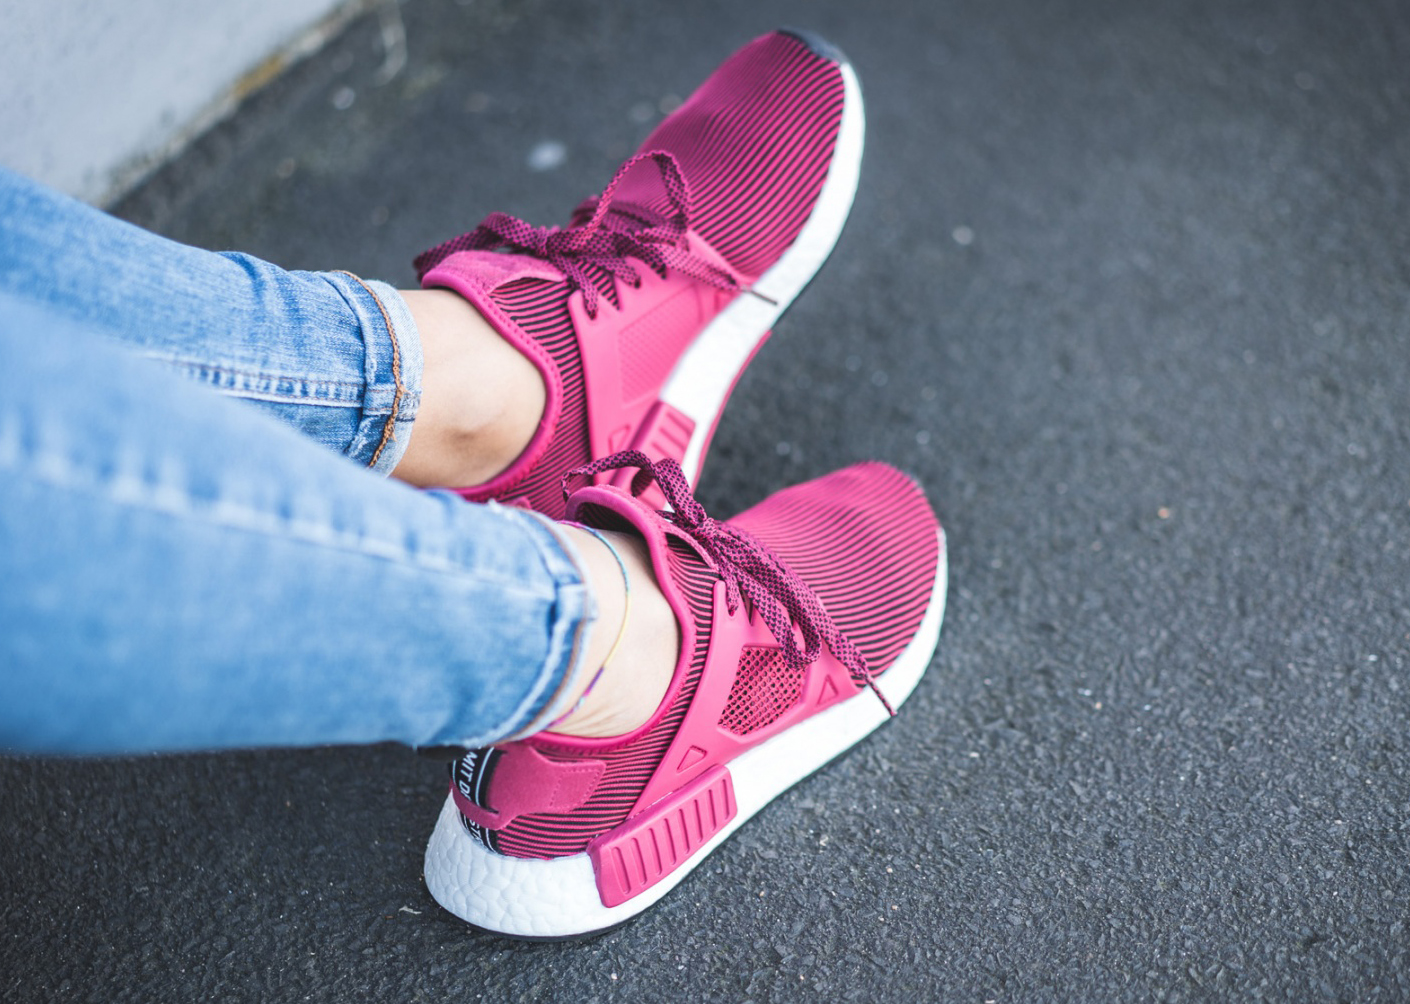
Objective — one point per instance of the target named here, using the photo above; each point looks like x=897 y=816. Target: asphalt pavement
x=1126 y=286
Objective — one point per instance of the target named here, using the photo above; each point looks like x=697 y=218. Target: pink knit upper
x=605 y=306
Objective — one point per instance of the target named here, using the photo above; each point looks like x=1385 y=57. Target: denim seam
x=251 y=384
x=389 y=426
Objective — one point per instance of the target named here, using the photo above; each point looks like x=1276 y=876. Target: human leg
x=336 y=357
x=180 y=572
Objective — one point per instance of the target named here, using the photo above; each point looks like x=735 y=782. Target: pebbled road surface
x=1127 y=287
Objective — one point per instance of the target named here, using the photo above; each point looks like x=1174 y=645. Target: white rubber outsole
x=706 y=372
x=559 y=898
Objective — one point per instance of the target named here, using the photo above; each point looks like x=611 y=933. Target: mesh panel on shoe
x=764 y=688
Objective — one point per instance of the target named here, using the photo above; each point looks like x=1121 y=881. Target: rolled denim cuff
x=392 y=368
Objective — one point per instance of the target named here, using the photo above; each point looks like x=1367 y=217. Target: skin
x=465 y=439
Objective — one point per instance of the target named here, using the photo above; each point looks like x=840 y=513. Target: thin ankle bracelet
x=621 y=632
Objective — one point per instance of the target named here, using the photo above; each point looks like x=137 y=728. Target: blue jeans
x=180 y=570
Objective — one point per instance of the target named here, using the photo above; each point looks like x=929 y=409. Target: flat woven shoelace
x=748 y=568
x=605 y=241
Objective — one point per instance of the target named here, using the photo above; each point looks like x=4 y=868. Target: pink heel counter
x=639 y=853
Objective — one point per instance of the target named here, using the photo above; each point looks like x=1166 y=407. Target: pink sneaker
x=642 y=313
x=804 y=621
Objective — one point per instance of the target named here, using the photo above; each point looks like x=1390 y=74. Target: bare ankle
x=635 y=642
x=481 y=399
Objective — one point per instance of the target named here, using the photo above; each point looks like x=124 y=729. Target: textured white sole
x=705 y=373
x=559 y=898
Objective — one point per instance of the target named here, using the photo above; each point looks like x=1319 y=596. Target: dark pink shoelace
x=604 y=241
x=748 y=568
